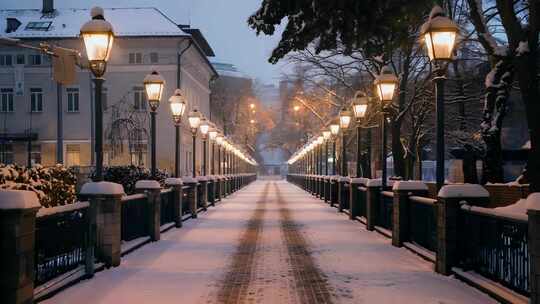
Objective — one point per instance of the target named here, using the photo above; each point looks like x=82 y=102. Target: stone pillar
x=153 y=192
x=326 y=182
x=343 y=193
x=217 y=188
x=191 y=195
x=211 y=190
x=401 y=206
x=176 y=185
x=106 y=201
x=533 y=212
x=372 y=200
x=334 y=190
x=448 y=204
x=17 y=237
x=203 y=181
x=353 y=196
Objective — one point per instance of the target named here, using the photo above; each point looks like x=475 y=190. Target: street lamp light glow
x=98 y=39
x=204 y=126
x=344 y=118
x=153 y=84
x=386 y=84
x=212 y=134
x=439 y=35
x=360 y=105
x=219 y=140
x=320 y=140
x=194 y=119
x=296 y=108
x=334 y=129
x=178 y=105
x=326 y=134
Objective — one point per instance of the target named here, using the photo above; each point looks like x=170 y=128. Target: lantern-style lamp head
x=334 y=129
x=98 y=36
x=252 y=106
x=326 y=134
x=345 y=118
x=213 y=133
x=320 y=140
x=219 y=140
x=178 y=105
x=194 y=119
x=385 y=84
x=439 y=34
x=153 y=84
x=360 y=105
x=204 y=127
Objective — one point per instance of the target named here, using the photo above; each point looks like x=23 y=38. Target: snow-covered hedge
x=53 y=186
x=128 y=176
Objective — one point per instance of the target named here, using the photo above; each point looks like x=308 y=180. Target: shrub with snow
x=128 y=176
x=53 y=186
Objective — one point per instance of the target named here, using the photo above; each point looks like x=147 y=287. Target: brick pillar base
x=372 y=200
x=401 y=225
x=192 y=195
x=176 y=185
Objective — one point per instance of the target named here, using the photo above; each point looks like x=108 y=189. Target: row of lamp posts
x=439 y=34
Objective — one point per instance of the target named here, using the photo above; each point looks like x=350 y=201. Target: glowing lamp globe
x=194 y=119
x=385 y=85
x=334 y=129
x=178 y=105
x=326 y=134
x=360 y=105
x=204 y=127
x=98 y=37
x=344 y=118
x=439 y=34
x=153 y=85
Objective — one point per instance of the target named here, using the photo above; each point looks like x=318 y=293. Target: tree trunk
x=397 y=149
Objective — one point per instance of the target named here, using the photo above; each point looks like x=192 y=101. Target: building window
x=6 y=153
x=38 y=25
x=139 y=99
x=34 y=59
x=73 y=155
x=154 y=57
x=20 y=59
x=6 y=100
x=73 y=99
x=138 y=158
x=36 y=100
x=135 y=58
x=35 y=154
x=6 y=60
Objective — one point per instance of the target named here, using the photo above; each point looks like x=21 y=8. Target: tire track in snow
x=311 y=284
x=234 y=286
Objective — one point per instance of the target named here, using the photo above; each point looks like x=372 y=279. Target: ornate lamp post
x=334 y=131
x=212 y=135
x=178 y=107
x=320 y=141
x=345 y=117
x=153 y=84
x=360 y=104
x=219 y=141
x=385 y=86
x=194 y=119
x=98 y=38
x=326 y=135
x=439 y=34
x=205 y=128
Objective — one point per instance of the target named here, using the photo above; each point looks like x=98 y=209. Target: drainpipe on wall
x=59 y=126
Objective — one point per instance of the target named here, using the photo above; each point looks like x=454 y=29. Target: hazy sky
x=223 y=22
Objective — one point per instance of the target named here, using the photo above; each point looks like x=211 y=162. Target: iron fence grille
x=385 y=210
x=495 y=247
x=60 y=243
x=167 y=206
x=135 y=217
x=423 y=222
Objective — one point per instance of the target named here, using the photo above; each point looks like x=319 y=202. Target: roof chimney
x=48 y=6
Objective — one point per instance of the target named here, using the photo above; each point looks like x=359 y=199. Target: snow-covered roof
x=228 y=69
x=66 y=23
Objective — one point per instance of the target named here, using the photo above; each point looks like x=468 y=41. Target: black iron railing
x=423 y=222
x=345 y=196
x=361 y=201
x=61 y=241
x=200 y=195
x=185 y=205
x=385 y=210
x=167 y=206
x=135 y=217
x=495 y=246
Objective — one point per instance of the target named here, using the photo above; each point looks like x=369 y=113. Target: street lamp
x=439 y=34
x=219 y=141
x=178 y=105
x=385 y=86
x=345 y=117
x=194 y=119
x=205 y=128
x=212 y=135
x=326 y=135
x=320 y=141
x=359 y=105
x=98 y=37
x=334 y=131
x=153 y=84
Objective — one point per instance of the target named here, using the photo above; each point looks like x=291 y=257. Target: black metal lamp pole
x=439 y=109
x=194 y=149
x=358 y=149
x=177 y=150
x=343 y=168
x=383 y=149
x=326 y=157
x=212 y=169
x=334 y=157
x=98 y=142
x=204 y=155
x=153 y=135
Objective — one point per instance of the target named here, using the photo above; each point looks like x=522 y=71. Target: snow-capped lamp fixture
x=360 y=105
x=219 y=139
x=385 y=85
x=344 y=118
x=153 y=85
x=326 y=134
x=439 y=35
x=334 y=129
x=320 y=140
x=178 y=105
x=213 y=133
x=194 y=119
x=204 y=127
x=98 y=37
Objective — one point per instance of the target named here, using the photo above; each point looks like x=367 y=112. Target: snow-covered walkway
x=271 y=243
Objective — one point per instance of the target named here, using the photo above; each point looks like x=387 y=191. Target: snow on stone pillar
x=448 y=203
x=17 y=237
x=217 y=188
x=334 y=190
x=203 y=181
x=533 y=213
x=105 y=202
x=191 y=195
x=211 y=190
x=401 y=206
x=354 y=196
x=153 y=192
x=343 y=193
x=176 y=185
x=373 y=199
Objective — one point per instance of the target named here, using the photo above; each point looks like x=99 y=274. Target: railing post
x=326 y=185
x=106 y=203
x=176 y=185
x=212 y=190
x=533 y=213
x=372 y=200
x=153 y=194
x=334 y=190
x=217 y=187
x=343 y=194
x=448 y=205
x=353 y=196
x=401 y=206
x=203 y=182
x=17 y=234
x=191 y=195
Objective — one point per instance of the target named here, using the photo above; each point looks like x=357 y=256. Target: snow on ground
x=188 y=265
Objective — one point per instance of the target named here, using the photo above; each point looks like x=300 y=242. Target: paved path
x=271 y=243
